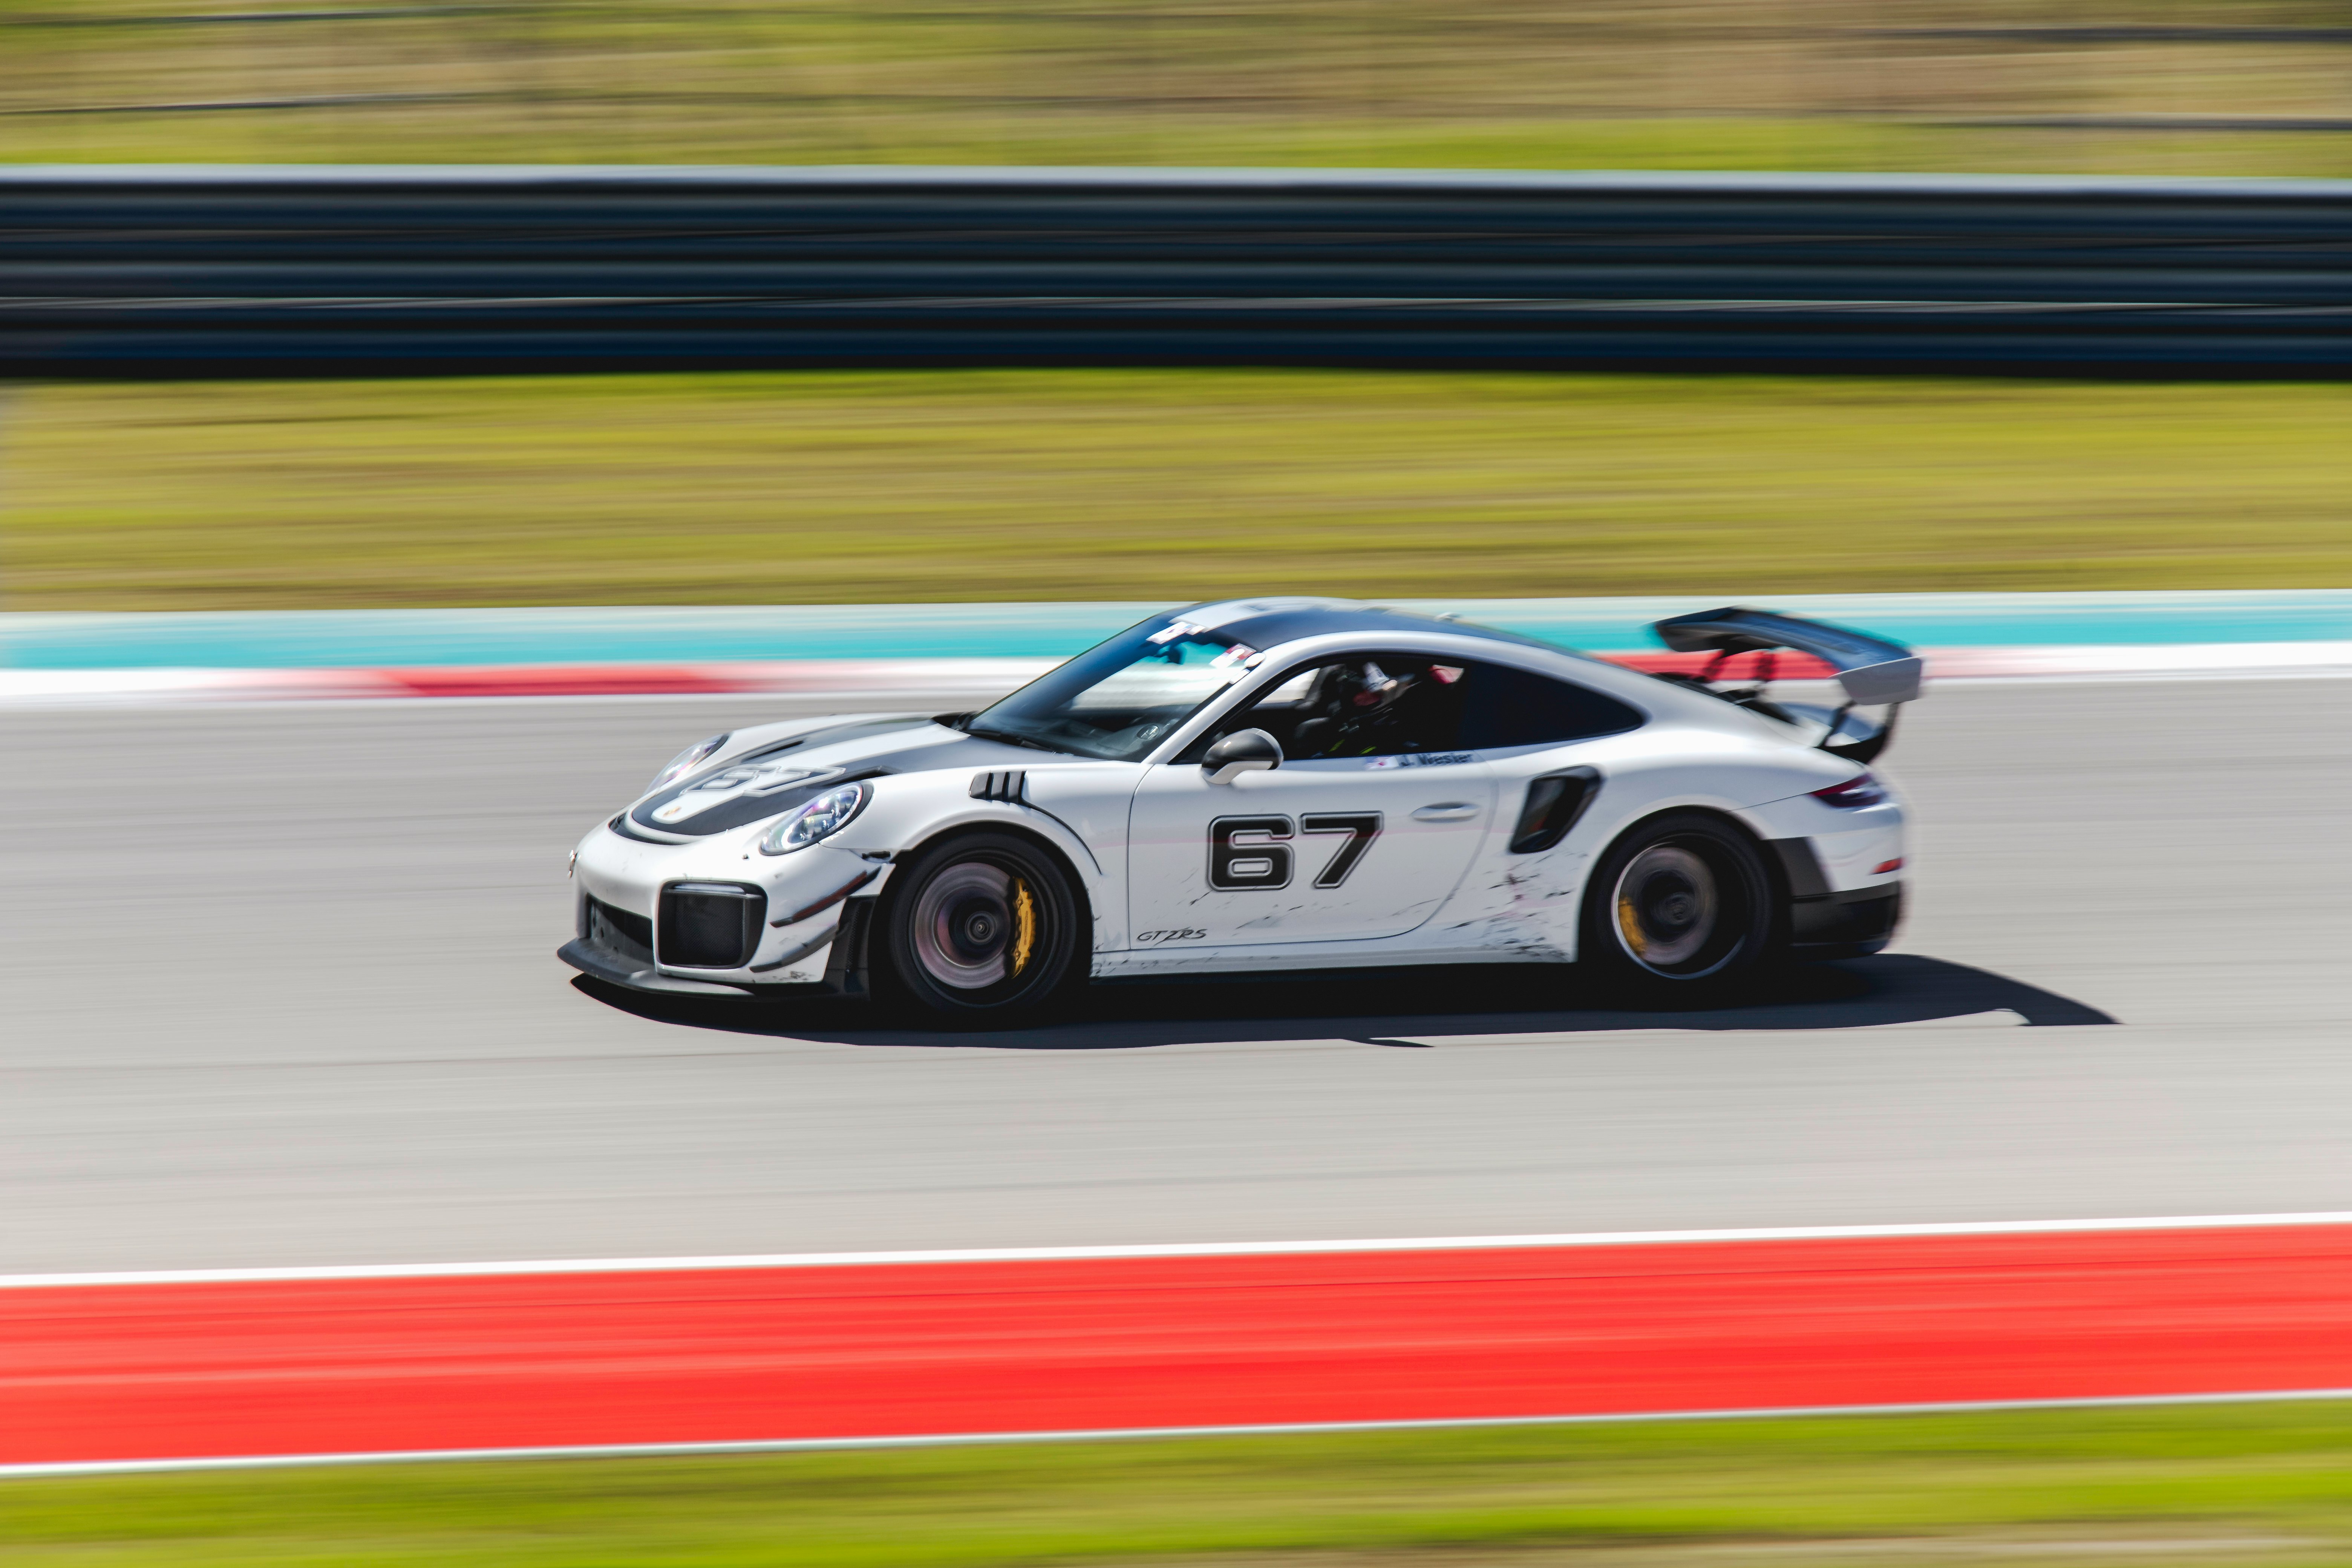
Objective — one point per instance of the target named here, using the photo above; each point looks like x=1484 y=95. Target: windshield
x=1120 y=699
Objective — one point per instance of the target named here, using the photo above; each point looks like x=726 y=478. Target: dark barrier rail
x=145 y=272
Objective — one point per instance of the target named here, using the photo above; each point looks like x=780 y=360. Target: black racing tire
x=1681 y=909
x=981 y=929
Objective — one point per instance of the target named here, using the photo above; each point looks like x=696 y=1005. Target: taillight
x=1857 y=792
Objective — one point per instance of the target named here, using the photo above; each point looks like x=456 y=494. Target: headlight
x=687 y=761
x=826 y=815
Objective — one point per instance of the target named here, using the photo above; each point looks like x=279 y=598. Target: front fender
x=912 y=811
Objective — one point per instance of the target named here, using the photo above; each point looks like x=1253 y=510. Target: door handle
x=1447 y=810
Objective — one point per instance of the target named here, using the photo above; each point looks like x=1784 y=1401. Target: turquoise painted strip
x=685 y=634
x=1958 y=620
x=294 y=639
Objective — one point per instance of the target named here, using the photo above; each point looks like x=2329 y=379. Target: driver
x=1364 y=712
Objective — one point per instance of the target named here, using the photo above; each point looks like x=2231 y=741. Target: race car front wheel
x=1677 y=907
x=983 y=927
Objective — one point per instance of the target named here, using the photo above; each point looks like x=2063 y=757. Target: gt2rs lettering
x=1247 y=852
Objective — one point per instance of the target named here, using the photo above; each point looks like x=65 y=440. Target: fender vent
x=1010 y=786
x=1554 y=802
x=710 y=925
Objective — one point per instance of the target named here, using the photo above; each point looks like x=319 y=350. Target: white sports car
x=1271 y=785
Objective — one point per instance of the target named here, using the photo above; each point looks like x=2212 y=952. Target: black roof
x=1278 y=626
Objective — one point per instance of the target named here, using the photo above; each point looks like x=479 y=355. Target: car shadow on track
x=1396 y=1007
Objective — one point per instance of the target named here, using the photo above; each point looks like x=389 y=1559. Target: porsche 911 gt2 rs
x=1277 y=783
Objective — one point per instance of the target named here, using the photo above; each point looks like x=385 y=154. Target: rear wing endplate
x=1872 y=670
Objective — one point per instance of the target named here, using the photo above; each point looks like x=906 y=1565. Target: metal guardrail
x=207 y=271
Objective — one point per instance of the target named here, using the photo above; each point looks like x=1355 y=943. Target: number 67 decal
x=1247 y=852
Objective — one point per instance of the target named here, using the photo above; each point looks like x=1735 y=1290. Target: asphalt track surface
x=280 y=989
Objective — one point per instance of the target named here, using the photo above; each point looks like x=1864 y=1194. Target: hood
x=771 y=776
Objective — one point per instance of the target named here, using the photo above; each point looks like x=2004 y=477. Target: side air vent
x=1554 y=802
x=1010 y=786
x=711 y=925
x=619 y=932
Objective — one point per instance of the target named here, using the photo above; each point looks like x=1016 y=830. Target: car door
x=1363 y=830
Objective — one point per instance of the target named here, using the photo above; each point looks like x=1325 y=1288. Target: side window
x=1365 y=705
x=1507 y=707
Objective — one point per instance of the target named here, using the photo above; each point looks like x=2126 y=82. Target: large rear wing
x=1872 y=670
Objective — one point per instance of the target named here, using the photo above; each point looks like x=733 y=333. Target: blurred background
x=2209 y=87
x=916 y=485
x=899 y=485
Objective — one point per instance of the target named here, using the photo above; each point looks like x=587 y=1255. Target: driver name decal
x=1424 y=760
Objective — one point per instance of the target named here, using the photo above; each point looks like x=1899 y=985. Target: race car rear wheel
x=1679 y=907
x=982 y=928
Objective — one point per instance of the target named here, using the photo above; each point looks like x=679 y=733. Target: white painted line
x=2153 y=661
x=2141 y=677
x=1163 y=1249
x=844 y=679
x=1116 y=1434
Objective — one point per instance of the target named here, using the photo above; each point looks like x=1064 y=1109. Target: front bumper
x=602 y=963
x=713 y=919
x=844 y=974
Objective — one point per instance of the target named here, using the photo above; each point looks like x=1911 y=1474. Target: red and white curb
x=885 y=678
x=340 y=1364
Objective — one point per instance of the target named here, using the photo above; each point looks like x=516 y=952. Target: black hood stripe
x=737 y=811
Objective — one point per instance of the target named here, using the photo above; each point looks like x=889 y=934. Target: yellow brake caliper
x=1629 y=921
x=1024 y=925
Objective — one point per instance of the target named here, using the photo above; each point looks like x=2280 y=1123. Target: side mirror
x=1242 y=752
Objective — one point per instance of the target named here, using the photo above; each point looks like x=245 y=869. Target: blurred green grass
x=944 y=486
x=2254 y=1484
x=2241 y=86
